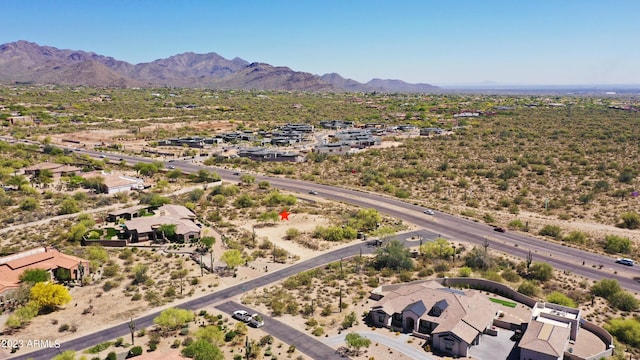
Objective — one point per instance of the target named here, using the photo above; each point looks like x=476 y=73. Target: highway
x=561 y=257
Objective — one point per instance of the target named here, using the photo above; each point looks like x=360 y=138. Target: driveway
x=495 y=347
x=398 y=343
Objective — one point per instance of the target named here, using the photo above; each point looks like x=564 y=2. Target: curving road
x=559 y=256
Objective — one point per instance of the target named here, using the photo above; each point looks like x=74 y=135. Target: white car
x=242 y=315
x=256 y=321
x=429 y=212
x=625 y=261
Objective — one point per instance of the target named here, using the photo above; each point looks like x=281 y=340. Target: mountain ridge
x=27 y=62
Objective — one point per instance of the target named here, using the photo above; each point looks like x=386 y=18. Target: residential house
x=46 y=258
x=116 y=183
x=147 y=227
x=126 y=213
x=431 y=130
x=339 y=148
x=336 y=124
x=261 y=154
x=56 y=169
x=550 y=331
x=453 y=320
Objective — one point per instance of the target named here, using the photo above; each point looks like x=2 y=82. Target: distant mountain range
x=27 y=62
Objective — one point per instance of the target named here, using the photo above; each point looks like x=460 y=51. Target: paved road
x=122 y=330
x=561 y=257
x=288 y=335
x=399 y=343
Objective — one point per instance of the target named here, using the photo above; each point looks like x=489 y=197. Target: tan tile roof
x=147 y=224
x=177 y=211
x=129 y=210
x=42 y=166
x=545 y=338
x=466 y=313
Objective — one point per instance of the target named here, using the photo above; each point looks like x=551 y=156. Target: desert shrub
x=606 y=288
x=626 y=330
x=230 y=335
x=349 y=320
x=617 y=244
x=576 y=237
x=510 y=275
x=560 y=299
x=528 y=288
x=624 y=301
x=553 y=231
x=541 y=271
x=134 y=351
x=630 y=220
x=318 y=331
x=465 y=271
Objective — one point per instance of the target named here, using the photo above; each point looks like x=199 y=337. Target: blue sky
x=441 y=42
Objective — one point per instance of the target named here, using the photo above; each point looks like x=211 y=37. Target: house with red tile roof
x=46 y=258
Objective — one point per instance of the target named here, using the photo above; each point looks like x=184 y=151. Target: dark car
x=499 y=229
x=236 y=173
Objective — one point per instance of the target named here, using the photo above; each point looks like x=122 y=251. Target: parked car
x=428 y=212
x=625 y=261
x=499 y=229
x=256 y=321
x=241 y=315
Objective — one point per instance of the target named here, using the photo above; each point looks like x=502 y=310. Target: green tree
x=232 y=258
x=167 y=231
x=356 y=341
x=438 y=248
x=173 y=318
x=202 y=350
x=68 y=206
x=541 y=271
x=560 y=299
x=48 y=296
x=366 y=220
x=35 y=275
x=211 y=333
x=146 y=169
x=393 y=256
